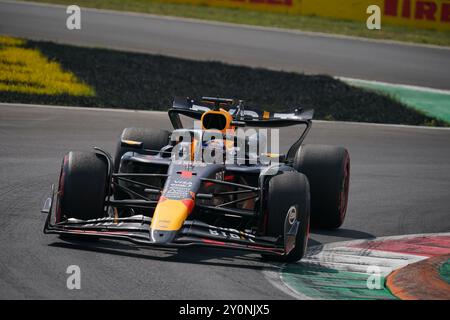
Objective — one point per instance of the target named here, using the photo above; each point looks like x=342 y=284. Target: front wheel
x=288 y=193
x=82 y=187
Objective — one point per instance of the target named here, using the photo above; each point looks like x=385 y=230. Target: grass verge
x=145 y=81
x=258 y=18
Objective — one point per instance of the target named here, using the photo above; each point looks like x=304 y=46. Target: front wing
x=136 y=229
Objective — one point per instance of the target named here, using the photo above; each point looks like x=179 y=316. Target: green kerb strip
x=432 y=103
x=444 y=271
x=324 y=283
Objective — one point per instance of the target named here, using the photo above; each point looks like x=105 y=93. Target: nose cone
x=161 y=236
x=168 y=219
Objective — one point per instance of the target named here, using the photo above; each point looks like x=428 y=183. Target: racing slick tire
x=286 y=192
x=82 y=186
x=328 y=172
x=152 y=139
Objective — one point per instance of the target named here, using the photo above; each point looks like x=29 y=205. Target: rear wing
x=243 y=116
x=248 y=116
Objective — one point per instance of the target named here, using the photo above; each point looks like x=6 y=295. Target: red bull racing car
x=209 y=185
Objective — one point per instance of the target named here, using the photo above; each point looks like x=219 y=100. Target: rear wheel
x=152 y=139
x=328 y=172
x=288 y=193
x=82 y=186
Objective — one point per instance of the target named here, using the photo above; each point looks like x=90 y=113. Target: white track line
x=401 y=237
x=274 y=278
x=394 y=85
x=361 y=259
x=68 y=108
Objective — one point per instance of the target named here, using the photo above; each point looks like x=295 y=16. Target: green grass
x=144 y=81
x=306 y=23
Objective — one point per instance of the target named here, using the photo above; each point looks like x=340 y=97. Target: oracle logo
x=418 y=10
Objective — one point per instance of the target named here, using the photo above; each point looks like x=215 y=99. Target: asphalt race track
x=400 y=175
x=292 y=51
x=400 y=185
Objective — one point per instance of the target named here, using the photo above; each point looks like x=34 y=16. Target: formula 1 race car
x=206 y=185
